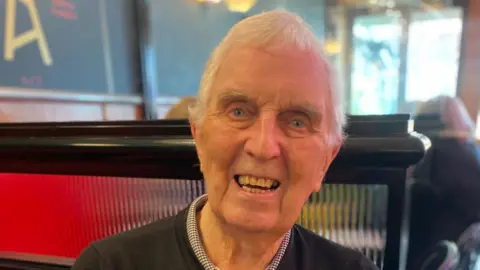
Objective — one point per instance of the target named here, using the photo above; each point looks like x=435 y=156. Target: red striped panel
x=60 y=215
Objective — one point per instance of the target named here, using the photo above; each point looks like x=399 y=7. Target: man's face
x=262 y=143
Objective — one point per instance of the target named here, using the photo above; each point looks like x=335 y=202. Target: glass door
x=433 y=54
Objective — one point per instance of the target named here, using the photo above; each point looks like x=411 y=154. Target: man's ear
x=332 y=153
x=194 y=130
x=196 y=134
x=318 y=183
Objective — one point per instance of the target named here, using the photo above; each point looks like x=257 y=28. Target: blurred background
x=70 y=60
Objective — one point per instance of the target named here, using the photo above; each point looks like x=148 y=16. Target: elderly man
x=267 y=125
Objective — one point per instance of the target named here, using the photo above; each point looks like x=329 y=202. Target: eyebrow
x=232 y=96
x=306 y=108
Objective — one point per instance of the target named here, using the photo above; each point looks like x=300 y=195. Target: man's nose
x=263 y=140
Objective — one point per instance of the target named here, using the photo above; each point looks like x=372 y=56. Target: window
x=433 y=55
x=378 y=85
x=375 y=71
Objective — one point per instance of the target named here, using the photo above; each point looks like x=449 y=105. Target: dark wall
x=73 y=31
x=184 y=33
x=124 y=45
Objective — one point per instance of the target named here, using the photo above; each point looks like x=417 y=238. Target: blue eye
x=297 y=124
x=238 y=112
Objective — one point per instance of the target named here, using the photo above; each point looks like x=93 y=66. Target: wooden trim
x=56 y=95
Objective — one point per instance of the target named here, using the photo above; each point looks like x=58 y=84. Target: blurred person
x=446 y=198
x=180 y=110
x=452 y=113
x=4 y=117
x=267 y=124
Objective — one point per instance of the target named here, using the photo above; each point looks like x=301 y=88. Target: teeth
x=260 y=182
x=268 y=183
x=254 y=190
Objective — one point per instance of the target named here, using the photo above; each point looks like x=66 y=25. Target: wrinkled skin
x=264 y=119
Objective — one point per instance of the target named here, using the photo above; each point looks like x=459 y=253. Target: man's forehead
x=292 y=79
x=253 y=67
x=286 y=54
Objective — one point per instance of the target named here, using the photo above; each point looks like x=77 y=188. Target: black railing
x=365 y=186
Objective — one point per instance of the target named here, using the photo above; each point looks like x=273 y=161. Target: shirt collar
x=196 y=243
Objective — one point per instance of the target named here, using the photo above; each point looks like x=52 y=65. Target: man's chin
x=252 y=222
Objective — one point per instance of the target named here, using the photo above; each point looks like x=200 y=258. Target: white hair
x=272 y=30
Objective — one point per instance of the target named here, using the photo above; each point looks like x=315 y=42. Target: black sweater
x=164 y=245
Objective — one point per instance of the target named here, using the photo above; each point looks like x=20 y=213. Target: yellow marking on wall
x=13 y=43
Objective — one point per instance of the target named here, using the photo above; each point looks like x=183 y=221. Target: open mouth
x=256 y=185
